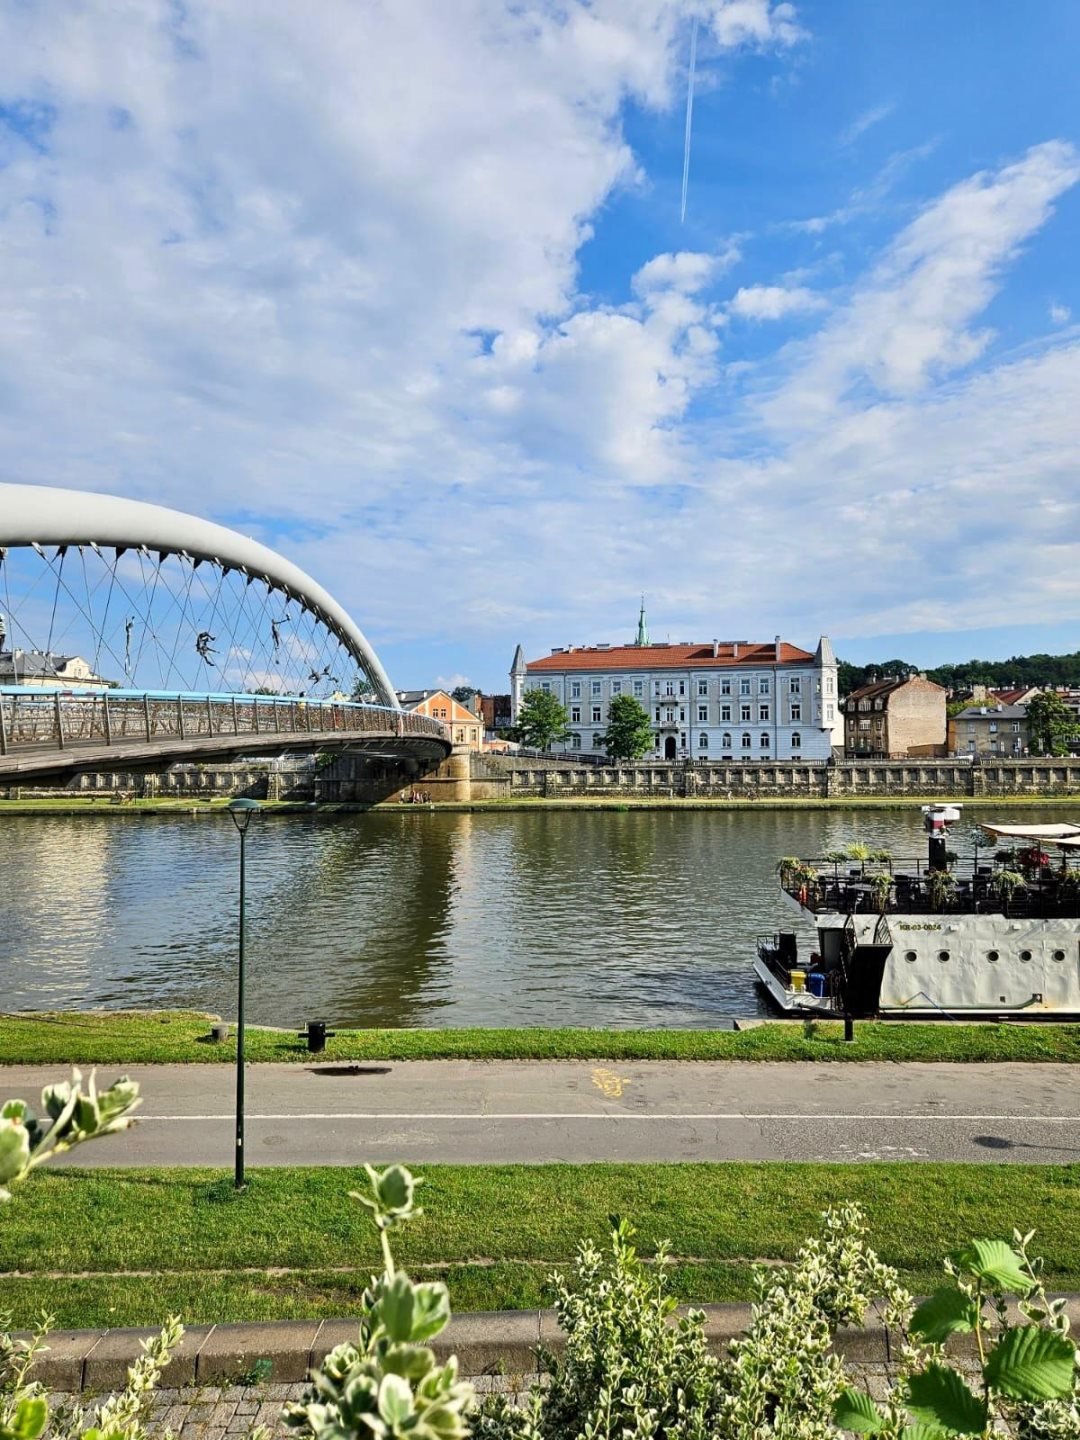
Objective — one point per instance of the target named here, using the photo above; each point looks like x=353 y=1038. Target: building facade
x=465 y=727
x=46 y=671
x=989 y=730
x=728 y=700
x=895 y=717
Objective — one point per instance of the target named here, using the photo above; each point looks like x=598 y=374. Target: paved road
x=471 y=1112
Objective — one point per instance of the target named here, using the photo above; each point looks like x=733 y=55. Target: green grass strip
x=182 y=1036
x=294 y=1244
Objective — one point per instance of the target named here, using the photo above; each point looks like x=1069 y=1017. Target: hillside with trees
x=1016 y=673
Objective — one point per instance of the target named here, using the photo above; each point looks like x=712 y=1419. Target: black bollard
x=316 y=1036
x=849 y=1028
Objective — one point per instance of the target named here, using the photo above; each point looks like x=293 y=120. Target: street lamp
x=241 y=812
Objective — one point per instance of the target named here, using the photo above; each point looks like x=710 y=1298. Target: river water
x=638 y=918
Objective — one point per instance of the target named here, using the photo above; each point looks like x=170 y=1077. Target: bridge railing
x=64 y=719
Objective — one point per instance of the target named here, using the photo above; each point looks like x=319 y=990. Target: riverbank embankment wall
x=465 y=778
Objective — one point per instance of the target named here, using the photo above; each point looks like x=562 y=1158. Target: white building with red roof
x=724 y=700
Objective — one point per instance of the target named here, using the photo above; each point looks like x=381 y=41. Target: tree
x=542 y=721
x=464 y=695
x=629 y=734
x=1051 y=724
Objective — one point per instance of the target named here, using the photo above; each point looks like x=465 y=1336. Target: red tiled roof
x=669 y=657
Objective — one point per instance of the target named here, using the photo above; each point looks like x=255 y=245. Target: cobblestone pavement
x=215 y=1412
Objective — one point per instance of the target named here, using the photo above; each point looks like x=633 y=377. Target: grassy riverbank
x=126 y=1247
x=172 y=1036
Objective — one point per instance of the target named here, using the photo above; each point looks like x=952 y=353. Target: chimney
x=776 y=642
x=715 y=648
x=735 y=650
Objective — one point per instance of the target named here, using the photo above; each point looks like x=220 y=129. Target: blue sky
x=403 y=289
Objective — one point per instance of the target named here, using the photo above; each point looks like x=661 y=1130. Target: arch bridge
x=133 y=636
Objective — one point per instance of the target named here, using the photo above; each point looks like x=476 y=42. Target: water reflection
x=537 y=918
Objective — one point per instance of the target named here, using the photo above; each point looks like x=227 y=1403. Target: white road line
x=625 y=1115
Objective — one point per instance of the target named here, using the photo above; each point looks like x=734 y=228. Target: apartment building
x=726 y=700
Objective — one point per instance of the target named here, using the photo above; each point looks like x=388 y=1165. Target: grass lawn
x=177 y=1035
x=125 y=1247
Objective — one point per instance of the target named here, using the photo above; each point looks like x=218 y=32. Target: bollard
x=849 y=1028
x=316 y=1036
x=218 y=1033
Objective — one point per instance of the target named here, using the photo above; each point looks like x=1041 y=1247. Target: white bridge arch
x=38 y=516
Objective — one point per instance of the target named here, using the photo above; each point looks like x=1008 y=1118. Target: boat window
x=1025 y=954
x=911 y=956
x=992 y=956
x=942 y=954
x=1059 y=954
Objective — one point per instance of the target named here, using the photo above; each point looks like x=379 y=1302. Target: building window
x=596 y=714
x=796 y=685
x=828 y=684
x=682 y=687
x=746 y=740
x=575 y=713
x=993 y=727
x=702 y=714
x=682 y=715
x=703 y=687
x=616 y=687
x=461 y=736
x=744 y=713
x=682 y=741
x=877 y=704
x=575 y=689
x=669 y=688
x=596 y=742
x=725 y=740
x=796 y=712
x=575 y=741
x=851 y=707
x=703 y=741
x=656 y=715
x=545 y=685
x=796 y=740
x=725 y=685
x=744 y=685
x=764 y=742
x=1016 y=727
x=639 y=688
x=864 y=704
x=829 y=713
x=763 y=685
x=596 y=687
x=725 y=712
x=763 y=714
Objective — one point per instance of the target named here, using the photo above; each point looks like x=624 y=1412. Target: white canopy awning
x=1049 y=834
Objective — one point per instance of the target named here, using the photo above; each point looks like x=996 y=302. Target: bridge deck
x=49 y=733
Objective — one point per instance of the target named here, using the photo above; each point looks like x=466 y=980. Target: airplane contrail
x=689 y=117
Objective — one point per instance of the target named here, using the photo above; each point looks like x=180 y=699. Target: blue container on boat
x=815 y=984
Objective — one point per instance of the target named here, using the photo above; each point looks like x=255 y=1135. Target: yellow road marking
x=609 y=1084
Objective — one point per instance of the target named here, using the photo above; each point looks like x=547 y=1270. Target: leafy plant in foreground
x=76 y=1116
x=1027 y=1373
x=389 y=1384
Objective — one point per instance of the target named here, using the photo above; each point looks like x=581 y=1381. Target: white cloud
x=1060 y=314
x=773 y=302
x=865 y=121
x=910 y=319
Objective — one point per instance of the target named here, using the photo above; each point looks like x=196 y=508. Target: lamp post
x=241 y=812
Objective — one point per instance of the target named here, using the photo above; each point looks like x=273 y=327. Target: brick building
x=895 y=717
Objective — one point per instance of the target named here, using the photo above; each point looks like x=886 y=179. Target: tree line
x=1016 y=673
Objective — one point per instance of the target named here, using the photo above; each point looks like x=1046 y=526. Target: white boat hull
x=793 y=1002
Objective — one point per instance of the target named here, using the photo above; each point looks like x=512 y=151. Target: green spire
x=642 y=628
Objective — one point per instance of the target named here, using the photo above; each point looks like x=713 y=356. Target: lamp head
x=242 y=811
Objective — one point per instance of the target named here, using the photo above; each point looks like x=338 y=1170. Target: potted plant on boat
x=880 y=889
x=1004 y=885
x=940 y=889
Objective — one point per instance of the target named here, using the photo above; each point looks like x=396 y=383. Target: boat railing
x=915 y=887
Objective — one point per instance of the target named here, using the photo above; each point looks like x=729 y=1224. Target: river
x=638 y=918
